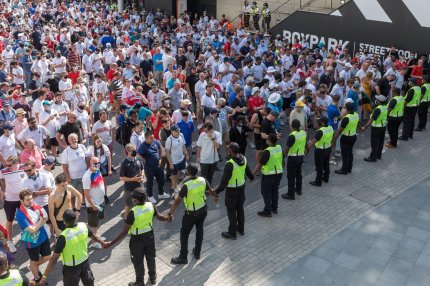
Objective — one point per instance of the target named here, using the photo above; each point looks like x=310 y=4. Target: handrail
x=240 y=14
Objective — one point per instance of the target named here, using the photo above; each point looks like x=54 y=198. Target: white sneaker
x=152 y=200
x=97 y=245
x=164 y=196
x=12 y=247
x=332 y=163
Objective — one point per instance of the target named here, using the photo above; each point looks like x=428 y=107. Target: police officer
x=193 y=193
x=138 y=224
x=322 y=141
x=9 y=276
x=265 y=12
x=233 y=181
x=254 y=12
x=296 y=147
x=348 y=130
x=412 y=100
x=395 y=111
x=424 y=104
x=72 y=245
x=271 y=163
x=378 y=121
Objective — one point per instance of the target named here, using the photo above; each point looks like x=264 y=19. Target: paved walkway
x=389 y=246
x=270 y=246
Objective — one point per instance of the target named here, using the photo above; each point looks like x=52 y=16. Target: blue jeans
x=158 y=173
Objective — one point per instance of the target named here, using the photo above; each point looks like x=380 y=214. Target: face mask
x=57 y=102
x=222 y=106
x=81 y=107
x=75 y=68
x=167 y=101
x=133 y=153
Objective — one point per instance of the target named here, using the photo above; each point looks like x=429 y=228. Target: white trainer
x=152 y=200
x=164 y=196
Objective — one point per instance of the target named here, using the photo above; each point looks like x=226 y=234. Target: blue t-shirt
x=150 y=153
x=157 y=57
x=121 y=119
x=187 y=129
x=332 y=113
x=23 y=223
x=354 y=96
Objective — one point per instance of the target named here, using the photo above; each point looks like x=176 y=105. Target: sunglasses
x=32 y=122
x=28 y=171
x=96 y=164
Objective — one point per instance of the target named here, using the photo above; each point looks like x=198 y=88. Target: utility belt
x=197 y=212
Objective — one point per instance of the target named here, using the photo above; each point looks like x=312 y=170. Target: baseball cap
x=46 y=102
x=123 y=107
x=175 y=128
x=7 y=126
x=48 y=160
x=300 y=103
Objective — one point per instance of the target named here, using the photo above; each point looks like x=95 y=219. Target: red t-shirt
x=156 y=130
x=73 y=76
x=110 y=74
x=255 y=102
x=418 y=71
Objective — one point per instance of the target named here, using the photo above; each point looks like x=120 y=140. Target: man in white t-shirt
x=39 y=184
x=59 y=64
x=66 y=87
x=87 y=62
x=176 y=154
x=48 y=118
x=94 y=192
x=208 y=144
x=17 y=74
x=323 y=102
x=74 y=162
x=103 y=129
x=61 y=108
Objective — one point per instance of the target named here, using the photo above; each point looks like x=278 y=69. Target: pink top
x=35 y=155
x=18 y=126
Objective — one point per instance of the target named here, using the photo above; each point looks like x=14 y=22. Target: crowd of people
x=177 y=97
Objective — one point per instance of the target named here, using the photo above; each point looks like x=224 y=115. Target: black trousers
x=207 y=171
x=189 y=220
x=158 y=173
x=143 y=246
x=393 y=124
x=266 y=23
x=409 y=121
x=82 y=272
x=377 y=137
x=322 y=164
x=270 y=191
x=294 y=174
x=423 y=108
x=346 y=146
x=255 y=19
x=234 y=200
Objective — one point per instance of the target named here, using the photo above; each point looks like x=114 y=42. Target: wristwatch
x=76 y=210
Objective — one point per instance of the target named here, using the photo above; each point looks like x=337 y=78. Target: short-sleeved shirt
x=130 y=217
x=14 y=183
x=131 y=168
x=68 y=128
x=150 y=153
x=333 y=113
x=75 y=159
x=93 y=181
x=24 y=222
x=175 y=145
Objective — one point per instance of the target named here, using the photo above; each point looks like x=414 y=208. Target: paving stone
x=317 y=264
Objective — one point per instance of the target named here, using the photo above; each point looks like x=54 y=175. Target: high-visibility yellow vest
x=381 y=121
x=327 y=137
x=265 y=13
x=76 y=250
x=196 y=198
x=238 y=176
x=351 y=128
x=426 y=97
x=14 y=279
x=399 y=108
x=416 y=98
x=143 y=217
x=298 y=148
x=253 y=12
x=274 y=165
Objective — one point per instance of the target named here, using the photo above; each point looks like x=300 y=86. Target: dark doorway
x=198 y=6
x=168 y=6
